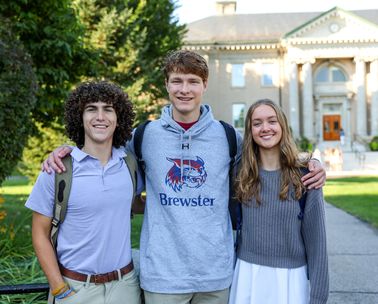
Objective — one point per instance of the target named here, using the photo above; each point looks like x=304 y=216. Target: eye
x=90 y=109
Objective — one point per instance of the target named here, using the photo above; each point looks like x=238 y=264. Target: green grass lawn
x=356 y=195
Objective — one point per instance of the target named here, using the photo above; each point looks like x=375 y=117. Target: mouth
x=267 y=137
x=184 y=98
x=101 y=127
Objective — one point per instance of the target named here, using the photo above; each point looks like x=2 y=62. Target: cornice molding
x=284 y=43
x=232 y=47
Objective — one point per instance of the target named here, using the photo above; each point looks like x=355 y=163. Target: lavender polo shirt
x=95 y=236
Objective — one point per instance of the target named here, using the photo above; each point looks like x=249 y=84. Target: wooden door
x=331 y=127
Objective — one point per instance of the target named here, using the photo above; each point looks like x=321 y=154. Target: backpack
x=63 y=183
x=234 y=207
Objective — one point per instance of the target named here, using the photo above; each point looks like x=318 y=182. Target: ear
x=166 y=85
x=205 y=85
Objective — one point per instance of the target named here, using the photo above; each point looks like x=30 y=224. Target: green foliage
x=374 y=144
x=304 y=144
x=132 y=38
x=52 y=35
x=38 y=147
x=17 y=99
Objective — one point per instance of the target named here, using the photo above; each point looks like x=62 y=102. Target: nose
x=265 y=126
x=185 y=87
x=100 y=114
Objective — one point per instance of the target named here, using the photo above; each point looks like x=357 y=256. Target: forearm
x=48 y=261
x=44 y=250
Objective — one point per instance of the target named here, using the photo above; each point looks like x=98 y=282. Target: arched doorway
x=332 y=103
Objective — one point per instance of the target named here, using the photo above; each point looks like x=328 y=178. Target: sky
x=192 y=10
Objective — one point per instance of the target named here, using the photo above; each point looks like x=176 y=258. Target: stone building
x=322 y=68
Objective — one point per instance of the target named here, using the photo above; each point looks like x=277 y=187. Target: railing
x=25 y=288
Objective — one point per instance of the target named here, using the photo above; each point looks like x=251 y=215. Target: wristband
x=64 y=294
x=59 y=289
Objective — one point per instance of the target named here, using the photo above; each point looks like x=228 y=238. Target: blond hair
x=248 y=182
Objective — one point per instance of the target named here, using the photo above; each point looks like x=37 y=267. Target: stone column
x=360 y=77
x=308 y=102
x=374 y=97
x=293 y=99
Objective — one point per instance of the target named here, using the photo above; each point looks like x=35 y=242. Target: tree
x=39 y=146
x=132 y=38
x=17 y=99
x=52 y=35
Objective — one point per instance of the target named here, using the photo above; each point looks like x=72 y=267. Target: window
x=322 y=75
x=238 y=75
x=330 y=74
x=267 y=74
x=337 y=75
x=238 y=110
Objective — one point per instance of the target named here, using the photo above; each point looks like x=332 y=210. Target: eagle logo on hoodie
x=186 y=172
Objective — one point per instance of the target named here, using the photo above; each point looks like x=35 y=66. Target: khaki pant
x=125 y=291
x=214 y=297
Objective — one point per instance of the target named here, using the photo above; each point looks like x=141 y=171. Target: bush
x=17 y=99
x=374 y=144
x=304 y=144
x=38 y=147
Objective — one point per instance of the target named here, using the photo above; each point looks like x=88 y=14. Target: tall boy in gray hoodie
x=186 y=247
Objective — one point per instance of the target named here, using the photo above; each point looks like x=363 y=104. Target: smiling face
x=100 y=122
x=265 y=128
x=185 y=93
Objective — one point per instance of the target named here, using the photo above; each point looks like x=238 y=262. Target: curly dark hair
x=101 y=91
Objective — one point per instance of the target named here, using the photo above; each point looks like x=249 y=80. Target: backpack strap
x=133 y=168
x=63 y=182
x=302 y=200
x=234 y=206
x=138 y=139
x=232 y=142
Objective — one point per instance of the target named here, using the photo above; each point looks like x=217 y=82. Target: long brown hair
x=247 y=181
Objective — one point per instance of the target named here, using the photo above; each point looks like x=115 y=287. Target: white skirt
x=257 y=284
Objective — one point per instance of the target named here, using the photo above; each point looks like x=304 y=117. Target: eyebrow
x=273 y=116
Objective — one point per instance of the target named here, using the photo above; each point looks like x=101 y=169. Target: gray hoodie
x=186 y=241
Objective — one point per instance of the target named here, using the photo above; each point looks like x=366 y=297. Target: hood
x=185 y=137
x=206 y=118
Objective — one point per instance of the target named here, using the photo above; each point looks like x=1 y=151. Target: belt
x=96 y=278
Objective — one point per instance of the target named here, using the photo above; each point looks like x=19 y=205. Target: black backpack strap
x=63 y=183
x=302 y=200
x=234 y=206
x=138 y=139
x=232 y=142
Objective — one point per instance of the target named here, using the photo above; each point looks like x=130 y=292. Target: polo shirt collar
x=79 y=155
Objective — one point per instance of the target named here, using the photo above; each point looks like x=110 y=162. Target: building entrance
x=331 y=127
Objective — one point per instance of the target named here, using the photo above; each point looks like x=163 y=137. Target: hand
x=316 y=178
x=139 y=204
x=71 y=293
x=54 y=160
